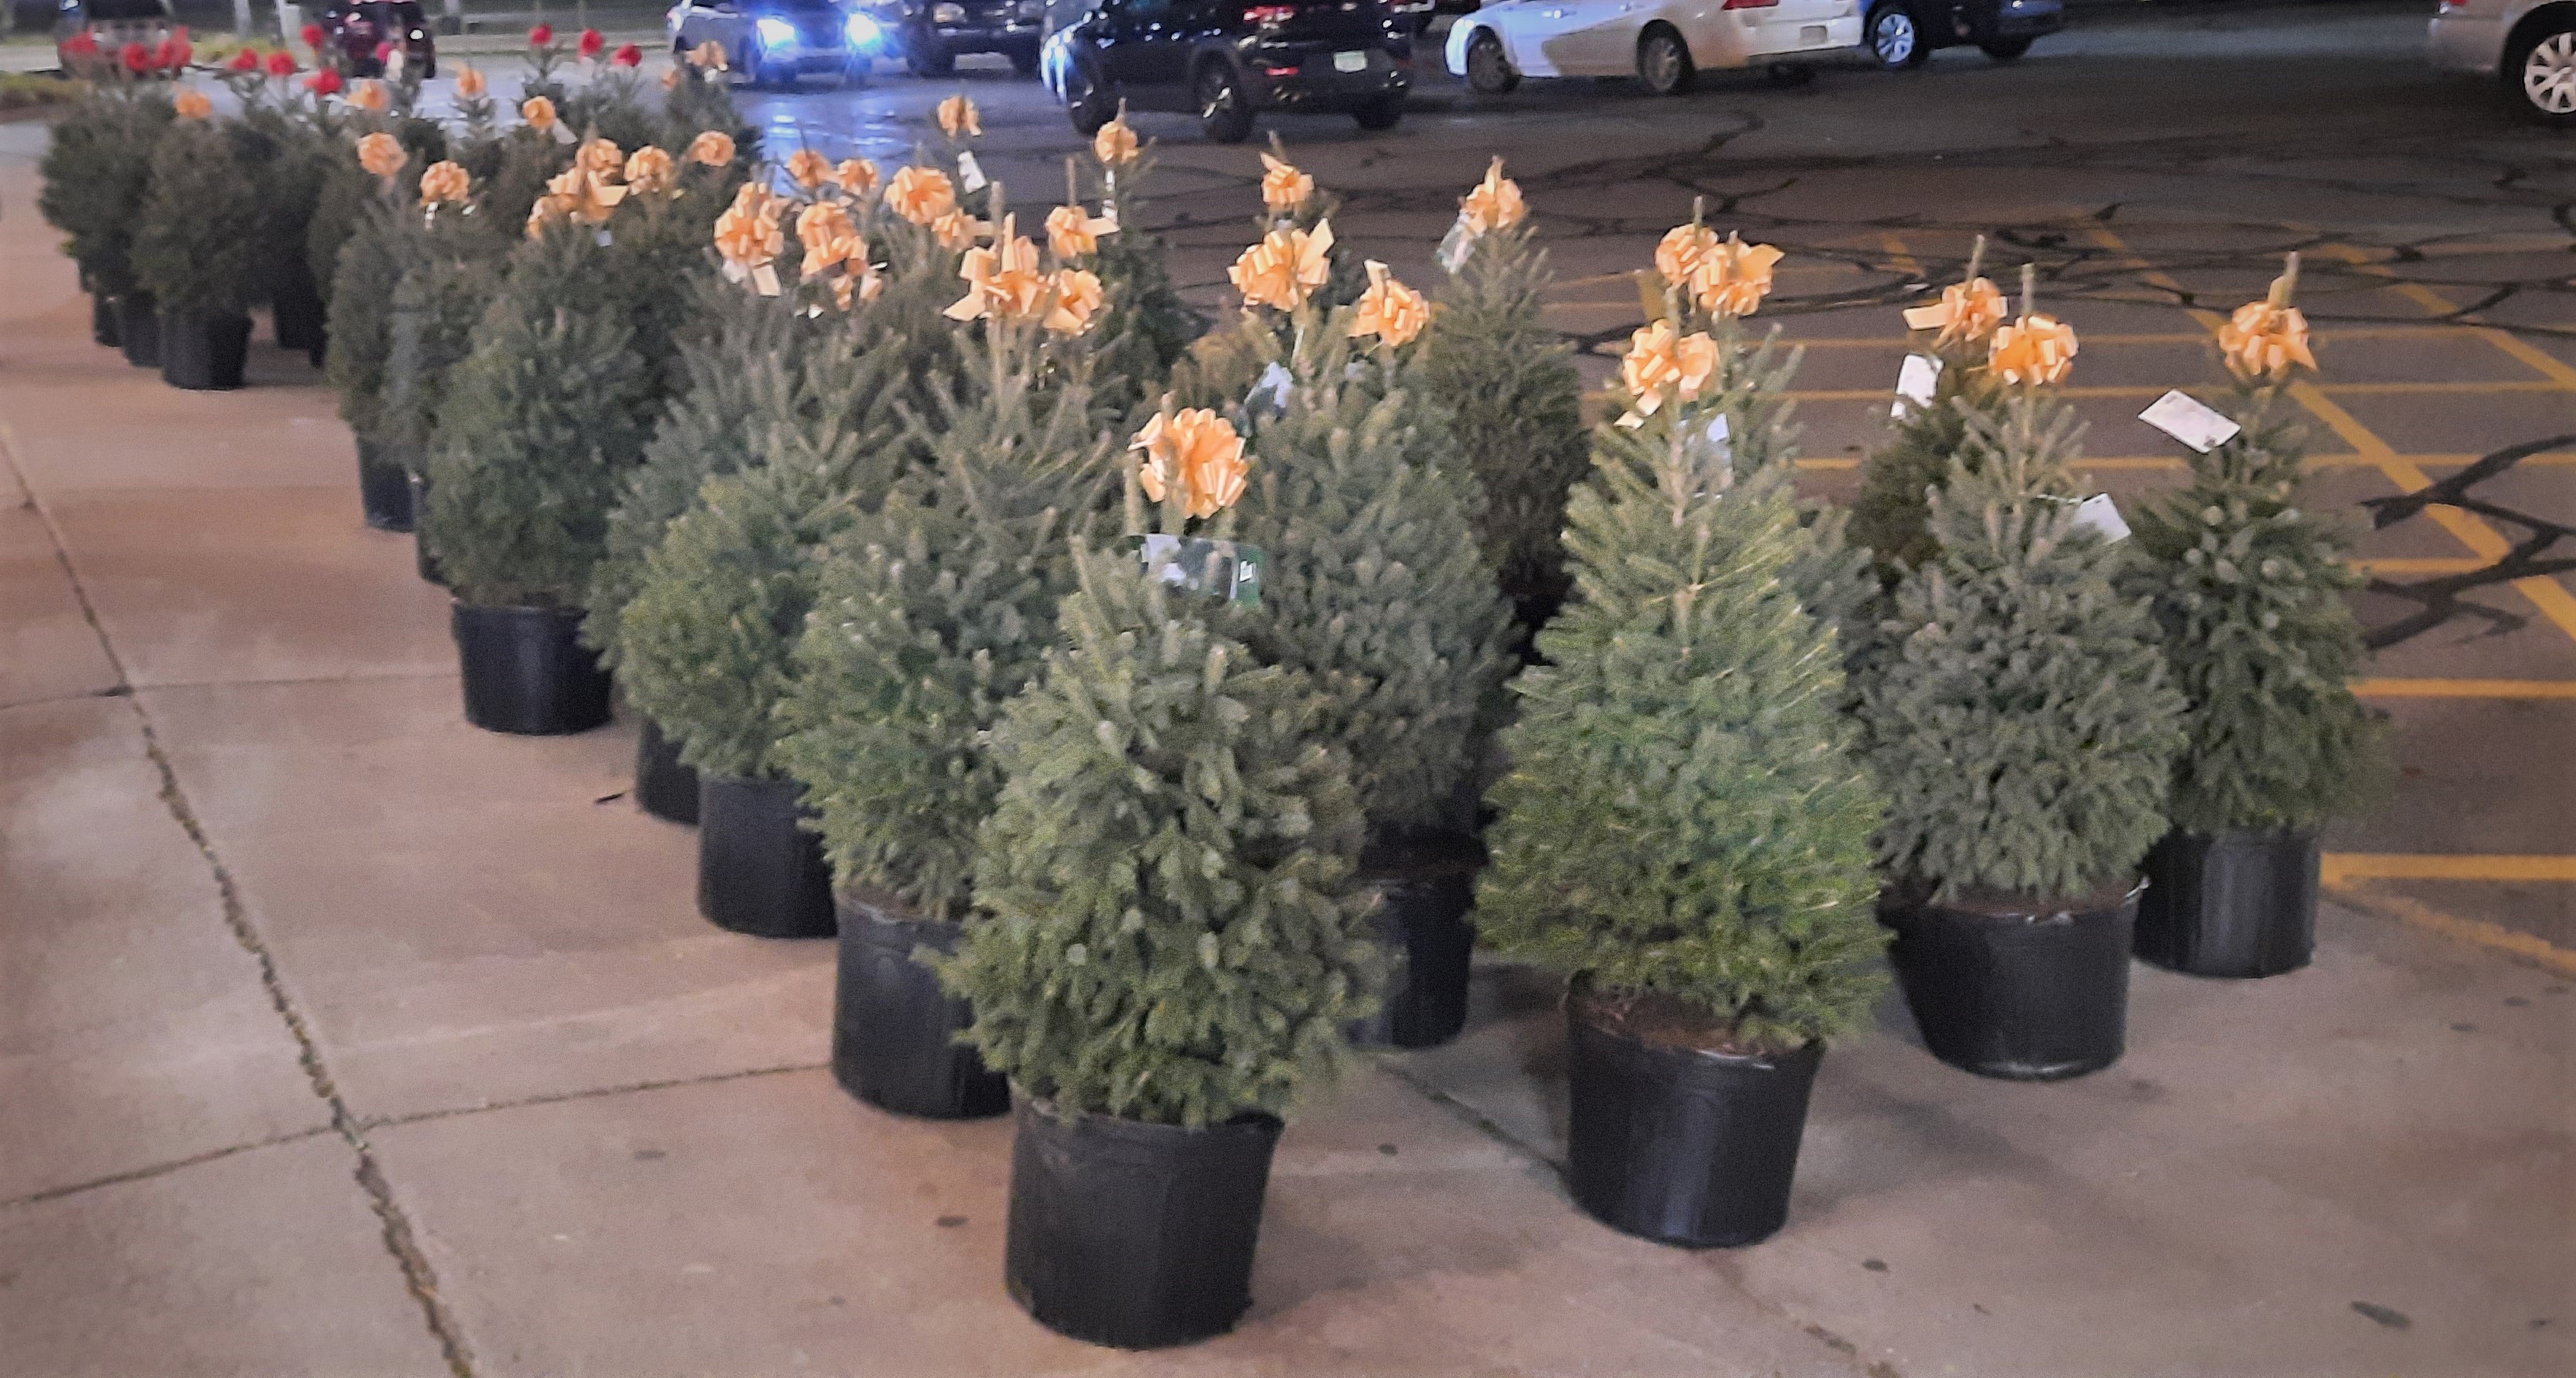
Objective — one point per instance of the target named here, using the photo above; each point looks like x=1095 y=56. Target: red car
x=365 y=31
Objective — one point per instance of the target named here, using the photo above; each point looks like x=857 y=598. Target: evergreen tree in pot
x=2248 y=584
x=454 y=261
x=97 y=168
x=2023 y=724
x=1685 y=827
x=196 y=245
x=1167 y=942
x=1376 y=588
x=1929 y=433
x=933 y=615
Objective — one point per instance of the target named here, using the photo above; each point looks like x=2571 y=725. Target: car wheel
x=1380 y=114
x=1663 y=61
x=1489 y=73
x=1894 y=40
x=2540 y=75
x=1225 y=117
x=929 y=58
x=2005 y=49
x=1084 y=102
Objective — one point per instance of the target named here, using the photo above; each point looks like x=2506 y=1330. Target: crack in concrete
x=145 y=1174
x=596 y=1093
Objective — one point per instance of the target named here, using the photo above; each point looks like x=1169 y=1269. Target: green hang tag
x=1217 y=569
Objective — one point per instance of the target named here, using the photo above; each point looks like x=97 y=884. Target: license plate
x=1350 y=62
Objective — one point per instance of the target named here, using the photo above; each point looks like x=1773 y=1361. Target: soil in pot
x=664 y=787
x=384 y=488
x=759 y=870
x=204 y=351
x=1674 y=1135
x=1131 y=1234
x=138 y=329
x=102 y=320
x=2015 y=987
x=526 y=672
x=1425 y=887
x=2238 y=904
x=894 y=1031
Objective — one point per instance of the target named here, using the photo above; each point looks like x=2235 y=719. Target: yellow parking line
x=2343 y=867
x=2399 y=564
x=2465 y=688
x=2529 y=946
x=1901 y=257
x=2539 y=361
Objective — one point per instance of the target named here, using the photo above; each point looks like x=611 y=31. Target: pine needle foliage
x=933 y=614
x=1685 y=815
x=444 y=291
x=2249 y=586
x=97 y=169
x=386 y=244
x=2021 y=717
x=1170 y=932
x=1491 y=363
x=196 y=242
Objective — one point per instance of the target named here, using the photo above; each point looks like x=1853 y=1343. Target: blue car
x=774 y=42
x=1903 y=33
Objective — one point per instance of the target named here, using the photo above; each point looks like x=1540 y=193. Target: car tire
x=1895 y=39
x=2005 y=49
x=1084 y=102
x=1489 y=72
x=1381 y=114
x=1664 y=62
x=1225 y=117
x=2539 y=75
x=929 y=59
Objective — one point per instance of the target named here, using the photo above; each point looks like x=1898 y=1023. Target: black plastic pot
x=296 y=314
x=1680 y=1145
x=138 y=329
x=204 y=351
x=894 y=1031
x=2020 y=989
x=102 y=320
x=384 y=488
x=2239 y=904
x=1135 y=1235
x=1425 y=888
x=758 y=871
x=664 y=788
x=422 y=557
x=526 y=671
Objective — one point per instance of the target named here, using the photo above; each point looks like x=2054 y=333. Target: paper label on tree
x=1109 y=213
x=1717 y=441
x=1219 y=569
x=970 y=174
x=1931 y=317
x=2187 y=420
x=2100 y=515
x=1915 y=380
x=1457 y=245
x=1275 y=381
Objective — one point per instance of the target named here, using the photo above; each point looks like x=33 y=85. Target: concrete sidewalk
x=339 y=1038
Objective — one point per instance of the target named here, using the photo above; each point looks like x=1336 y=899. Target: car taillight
x=1263 y=16
x=1748 y=4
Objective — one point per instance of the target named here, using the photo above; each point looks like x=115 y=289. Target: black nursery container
x=2026 y=991
x=664 y=787
x=384 y=488
x=1425 y=889
x=894 y=1031
x=759 y=872
x=423 y=558
x=138 y=329
x=526 y=671
x=2238 y=904
x=298 y=316
x=1135 y=1235
x=102 y=320
x=1682 y=1145
x=204 y=351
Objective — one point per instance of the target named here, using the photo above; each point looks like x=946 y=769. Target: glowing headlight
x=948 y=14
x=775 y=32
x=863 y=31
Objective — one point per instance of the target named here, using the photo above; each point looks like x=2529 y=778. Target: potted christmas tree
x=97 y=168
x=1167 y=943
x=1375 y=586
x=2022 y=722
x=386 y=240
x=196 y=246
x=453 y=260
x=933 y=614
x=1685 y=828
x=1929 y=429
x=2248 y=583
x=1509 y=381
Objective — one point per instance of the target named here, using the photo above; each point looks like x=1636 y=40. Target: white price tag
x=1276 y=381
x=1915 y=380
x=2100 y=515
x=1457 y=245
x=1109 y=213
x=970 y=174
x=1717 y=440
x=2186 y=420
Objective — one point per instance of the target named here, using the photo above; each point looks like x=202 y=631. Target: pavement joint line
x=2465 y=688
x=419 y=1277
x=2526 y=947
x=145 y=1174
x=374 y=1122
x=118 y=691
x=2338 y=868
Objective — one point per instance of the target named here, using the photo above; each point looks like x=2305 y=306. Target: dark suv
x=933 y=32
x=1228 y=61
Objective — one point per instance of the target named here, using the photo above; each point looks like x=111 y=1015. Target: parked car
x=775 y=42
x=1227 y=61
x=935 y=33
x=1903 y=33
x=2529 y=46
x=1664 y=43
x=360 y=29
x=114 y=23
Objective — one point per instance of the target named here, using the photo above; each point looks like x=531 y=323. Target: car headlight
x=774 y=32
x=948 y=14
x=863 y=31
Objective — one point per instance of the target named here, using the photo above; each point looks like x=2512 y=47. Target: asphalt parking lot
x=2155 y=162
